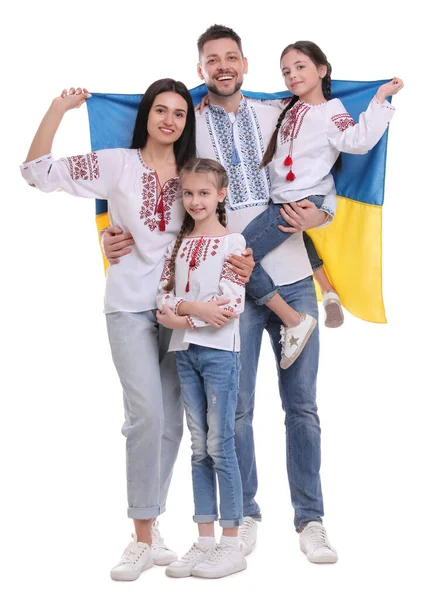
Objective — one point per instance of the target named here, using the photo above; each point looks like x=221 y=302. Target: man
x=235 y=131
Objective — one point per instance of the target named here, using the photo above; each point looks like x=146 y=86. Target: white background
x=63 y=517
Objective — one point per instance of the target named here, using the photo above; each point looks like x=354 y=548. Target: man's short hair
x=216 y=32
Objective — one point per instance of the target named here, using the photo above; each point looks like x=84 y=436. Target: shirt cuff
x=329 y=215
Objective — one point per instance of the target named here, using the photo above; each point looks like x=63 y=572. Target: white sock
x=207 y=540
x=230 y=541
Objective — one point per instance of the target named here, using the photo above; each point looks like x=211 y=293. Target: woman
x=141 y=185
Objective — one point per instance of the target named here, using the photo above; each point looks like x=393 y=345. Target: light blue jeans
x=209 y=380
x=152 y=406
x=297 y=388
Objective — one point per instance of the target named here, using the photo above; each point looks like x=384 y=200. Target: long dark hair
x=198 y=165
x=318 y=57
x=185 y=147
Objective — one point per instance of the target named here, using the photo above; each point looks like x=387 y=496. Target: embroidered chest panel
x=196 y=250
x=248 y=184
x=293 y=122
x=152 y=198
x=84 y=166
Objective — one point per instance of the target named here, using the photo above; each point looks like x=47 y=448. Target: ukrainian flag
x=351 y=246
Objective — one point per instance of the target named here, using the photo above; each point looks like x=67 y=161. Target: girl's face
x=200 y=195
x=167 y=118
x=302 y=77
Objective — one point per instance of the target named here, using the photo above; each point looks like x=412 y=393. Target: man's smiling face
x=222 y=66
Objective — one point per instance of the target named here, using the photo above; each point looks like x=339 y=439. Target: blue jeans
x=297 y=388
x=153 y=407
x=209 y=382
x=263 y=235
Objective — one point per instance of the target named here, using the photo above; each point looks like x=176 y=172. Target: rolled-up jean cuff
x=145 y=513
x=258 y=518
x=230 y=523
x=267 y=297
x=205 y=518
x=317 y=265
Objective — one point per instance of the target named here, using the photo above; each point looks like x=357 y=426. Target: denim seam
x=229 y=470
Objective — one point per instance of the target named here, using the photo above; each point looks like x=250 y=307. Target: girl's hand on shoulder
x=74 y=98
x=389 y=89
x=201 y=105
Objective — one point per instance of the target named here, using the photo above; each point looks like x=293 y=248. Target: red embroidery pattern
x=84 y=166
x=215 y=246
x=149 y=196
x=343 y=121
x=166 y=274
x=293 y=122
x=188 y=251
x=228 y=274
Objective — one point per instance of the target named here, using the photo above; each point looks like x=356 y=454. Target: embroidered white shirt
x=201 y=263
x=314 y=135
x=130 y=186
x=249 y=188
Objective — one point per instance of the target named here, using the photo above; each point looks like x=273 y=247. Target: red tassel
x=187 y=287
x=162 y=224
x=290 y=176
x=288 y=161
x=160 y=207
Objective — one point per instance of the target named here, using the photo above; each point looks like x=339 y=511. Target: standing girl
x=141 y=185
x=200 y=298
x=311 y=132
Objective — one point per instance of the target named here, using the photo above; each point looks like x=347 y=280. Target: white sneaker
x=314 y=543
x=333 y=309
x=293 y=340
x=223 y=560
x=195 y=555
x=248 y=534
x=137 y=558
x=161 y=553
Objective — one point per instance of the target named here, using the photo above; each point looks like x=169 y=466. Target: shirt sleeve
x=358 y=138
x=163 y=297
x=90 y=175
x=230 y=285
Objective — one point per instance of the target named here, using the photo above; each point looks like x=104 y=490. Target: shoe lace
x=157 y=540
x=218 y=553
x=130 y=553
x=245 y=530
x=195 y=550
x=318 y=537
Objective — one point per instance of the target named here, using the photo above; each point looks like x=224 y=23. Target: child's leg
x=196 y=406
x=317 y=265
x=220 y=370
x=331 y=302
x=263 y=235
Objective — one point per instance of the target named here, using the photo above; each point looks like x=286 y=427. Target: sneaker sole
x=334 y=315
x=285 y=364
x=219 y=576
x=131 y=576
x=164 y=562
x=177 y=575
x=320 y=560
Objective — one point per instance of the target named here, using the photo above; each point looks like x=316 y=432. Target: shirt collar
x=219 y=110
